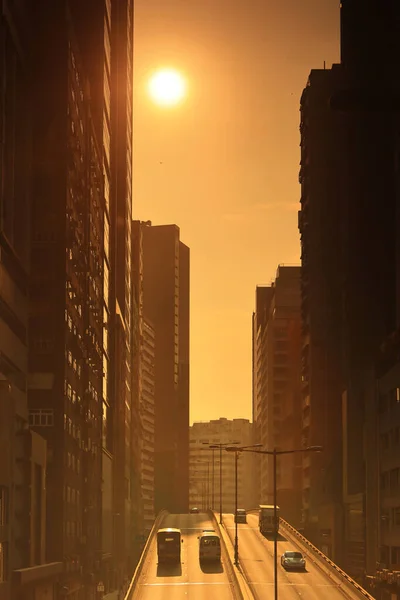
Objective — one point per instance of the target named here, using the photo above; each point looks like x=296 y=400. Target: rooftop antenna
x=324 y=66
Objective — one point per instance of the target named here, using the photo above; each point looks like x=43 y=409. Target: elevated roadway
x=189 y=580
x=256 y=552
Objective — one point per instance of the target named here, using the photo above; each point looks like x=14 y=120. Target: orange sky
x=224 y=165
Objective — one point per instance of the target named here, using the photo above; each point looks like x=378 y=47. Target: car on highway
x=194 y=510
x=209 y=546
x=169 y=540
x=293 y=560
x=240 y=516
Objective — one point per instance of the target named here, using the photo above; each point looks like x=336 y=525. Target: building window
x=395 y=556
x=3 y=506
x=43 y=345
x=396 y=516
x=42 y=417
x=3 y=561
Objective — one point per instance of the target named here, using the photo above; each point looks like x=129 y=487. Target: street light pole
x=215 y=447
x=274 y=454
x=275 y=530
x=220 y=485
x=236 y=451
x=208 y=485
x=212 y=485
x=236 y=507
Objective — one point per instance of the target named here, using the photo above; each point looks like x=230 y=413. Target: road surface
x=188 y=581
x=256 y=558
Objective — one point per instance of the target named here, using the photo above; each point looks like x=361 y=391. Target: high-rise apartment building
x=277 y=388
x=348 y=149
x=148 y=351
x=80 y=312
x=126 y=476
x=322 y=139
x=166 y=305
x=207 y=471
x=143 y=380
x=24 y=568
x=66 y=300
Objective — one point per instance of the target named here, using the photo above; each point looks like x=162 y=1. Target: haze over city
x=199 y=299
x=224 y=163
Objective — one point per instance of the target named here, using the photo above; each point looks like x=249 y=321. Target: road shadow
x=211 y=567
x=270 y=537
x=295 y=570
x=165 y=570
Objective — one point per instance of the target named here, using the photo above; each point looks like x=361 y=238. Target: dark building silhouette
x=349 y=189
x=126 y=476
x=143 y=380
x=24 y=568
x=80 y=293
x=166 y=304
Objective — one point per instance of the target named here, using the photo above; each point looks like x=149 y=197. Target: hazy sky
x=224 y=165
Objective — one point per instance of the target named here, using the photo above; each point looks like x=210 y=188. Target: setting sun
x=167 y=87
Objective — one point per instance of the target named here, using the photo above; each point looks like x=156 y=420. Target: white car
x=293 y=560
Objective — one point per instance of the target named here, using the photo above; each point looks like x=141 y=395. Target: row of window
x=390 y=439
x=73 y=363
x=73 y=529
x=390 y=480
x=392 y=518
x=390 y=401
x=41 y=417
x=72 y=495
x=73 y=462
x=3 y=506
x=390 y=556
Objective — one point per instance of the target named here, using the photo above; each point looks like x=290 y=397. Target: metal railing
x=323 y=559
x=355 y=587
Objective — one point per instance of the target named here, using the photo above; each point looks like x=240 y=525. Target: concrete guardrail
x=353 y=586
x=321 y=559
x=230 y=570
x=143 y=557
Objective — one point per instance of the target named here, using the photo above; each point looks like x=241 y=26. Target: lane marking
x=331 y=585
x=186 y=583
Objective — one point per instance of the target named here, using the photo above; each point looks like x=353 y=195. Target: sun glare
x=167 y=87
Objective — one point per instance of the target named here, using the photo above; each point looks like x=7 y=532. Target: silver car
x=293 y=560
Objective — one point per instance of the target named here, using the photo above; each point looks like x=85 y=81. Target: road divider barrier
x=159 y=519
x=230 y=569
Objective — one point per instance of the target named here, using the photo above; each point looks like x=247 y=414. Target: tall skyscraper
x=321 y=174
x=66 y=309
x=80 y=312
x=166 y=304
x=126 y=476
x=143 y=380
x=276 y=389
x=148 y=349
x=23 y=452
x=348 y=149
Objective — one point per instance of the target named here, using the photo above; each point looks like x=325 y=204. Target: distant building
x=277 y=403
x=166 y=305
x=204 y=463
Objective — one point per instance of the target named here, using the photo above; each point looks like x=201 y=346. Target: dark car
x=241 y=516
x=194 y=510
